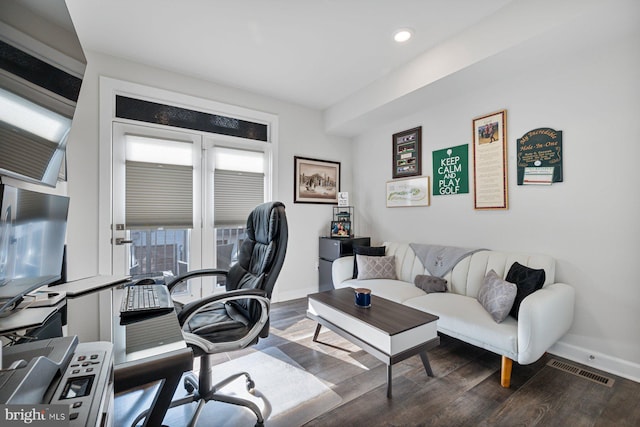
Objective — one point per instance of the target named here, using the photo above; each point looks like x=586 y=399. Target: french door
x=181 y=199
x=145 y=191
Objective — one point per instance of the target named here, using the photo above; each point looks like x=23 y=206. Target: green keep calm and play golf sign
x=451 y=170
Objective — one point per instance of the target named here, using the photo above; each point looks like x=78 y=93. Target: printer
x=75 y=379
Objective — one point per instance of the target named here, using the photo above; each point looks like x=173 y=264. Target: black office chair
x=239 y=317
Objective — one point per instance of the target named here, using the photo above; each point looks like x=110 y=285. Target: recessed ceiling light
x=402 y=35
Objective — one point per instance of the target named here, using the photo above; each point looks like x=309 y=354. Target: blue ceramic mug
x=363 y=297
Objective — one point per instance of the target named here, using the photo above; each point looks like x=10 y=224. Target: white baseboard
x=293 y=294
x=594 y=359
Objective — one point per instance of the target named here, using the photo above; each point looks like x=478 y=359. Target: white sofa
x=543 y=318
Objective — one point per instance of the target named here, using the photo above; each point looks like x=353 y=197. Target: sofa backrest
x=467 y=276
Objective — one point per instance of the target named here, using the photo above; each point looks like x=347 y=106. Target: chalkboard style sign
x=540 y=157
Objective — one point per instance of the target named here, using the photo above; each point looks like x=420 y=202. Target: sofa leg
x=505 y=376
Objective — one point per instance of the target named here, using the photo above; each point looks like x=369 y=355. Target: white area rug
x=288 y=395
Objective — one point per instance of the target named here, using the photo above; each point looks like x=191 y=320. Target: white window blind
x=236 y=194
x=238 y=185
x=158 y=195
x=159 y=183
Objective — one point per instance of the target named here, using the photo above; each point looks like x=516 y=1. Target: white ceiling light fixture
x=402 y=35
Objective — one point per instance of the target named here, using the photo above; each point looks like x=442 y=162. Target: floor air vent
x=576 y=370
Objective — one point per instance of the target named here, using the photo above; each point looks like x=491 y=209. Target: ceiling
x=310 y=52
x=338 y=56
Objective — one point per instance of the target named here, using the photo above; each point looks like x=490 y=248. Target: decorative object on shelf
x=340 y=228
x=490 y=161
x=451 y=170
x=343 y=214
x=540 y=157
x=316 y=181
x=343 y=198
x=407 y=149
x=408 y=192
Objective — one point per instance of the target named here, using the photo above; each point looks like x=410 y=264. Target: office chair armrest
x=190 y=309
x=217 y=347
x=195 y=273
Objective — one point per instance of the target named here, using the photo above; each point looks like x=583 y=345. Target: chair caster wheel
x=250 y=386
x=189 y=388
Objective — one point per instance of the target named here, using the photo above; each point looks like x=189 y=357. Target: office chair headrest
x=262 y=224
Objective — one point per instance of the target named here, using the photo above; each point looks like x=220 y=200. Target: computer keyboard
x=142 y=300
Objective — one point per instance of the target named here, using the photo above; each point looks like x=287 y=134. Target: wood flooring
x=465 y=390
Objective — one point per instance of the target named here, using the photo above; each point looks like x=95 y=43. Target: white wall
x=589 y=222
x=300 y=133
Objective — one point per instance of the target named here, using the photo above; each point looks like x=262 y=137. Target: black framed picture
x=407 y=149
x=316 y=181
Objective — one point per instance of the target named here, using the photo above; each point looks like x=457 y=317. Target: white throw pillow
x=376 y=267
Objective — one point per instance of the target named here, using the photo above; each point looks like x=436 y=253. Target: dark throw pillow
x=430 y=284
x=496 y=296
x=528 y=280
x=365 y=250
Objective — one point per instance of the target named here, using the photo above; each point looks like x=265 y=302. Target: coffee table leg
x=425 y=362
x=317 y=332
x=389 y=381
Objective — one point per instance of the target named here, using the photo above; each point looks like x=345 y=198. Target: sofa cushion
x=393 y=290
x=497 y=296
x=528 y=280
x=430 y=284
x=464 y=318
x=365 y=250
x=376 y=267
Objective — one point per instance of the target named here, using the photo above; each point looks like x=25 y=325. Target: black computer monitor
x=32 y=235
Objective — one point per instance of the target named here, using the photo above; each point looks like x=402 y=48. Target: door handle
x=121 y=241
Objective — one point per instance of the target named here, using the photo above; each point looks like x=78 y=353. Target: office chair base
x=193 y=386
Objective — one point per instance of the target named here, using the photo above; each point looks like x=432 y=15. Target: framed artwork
x=540 y=157
x=340 y=228
x=315 y=181
x=408 y=192
x=407 y=149
x=490 y=161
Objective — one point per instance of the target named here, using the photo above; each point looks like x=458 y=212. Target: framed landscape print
x=490 y=161
x=408 y=192
x=407 y=160
x=316 y=181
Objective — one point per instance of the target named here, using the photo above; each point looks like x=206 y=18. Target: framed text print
x=490 y=161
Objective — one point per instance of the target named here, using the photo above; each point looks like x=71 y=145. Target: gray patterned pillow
x=497 y=296
x=376 y=267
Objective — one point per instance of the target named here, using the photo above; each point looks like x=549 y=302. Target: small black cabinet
x=331 y=248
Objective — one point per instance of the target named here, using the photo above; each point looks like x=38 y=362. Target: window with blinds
x=159 y=183
x=238 y=185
